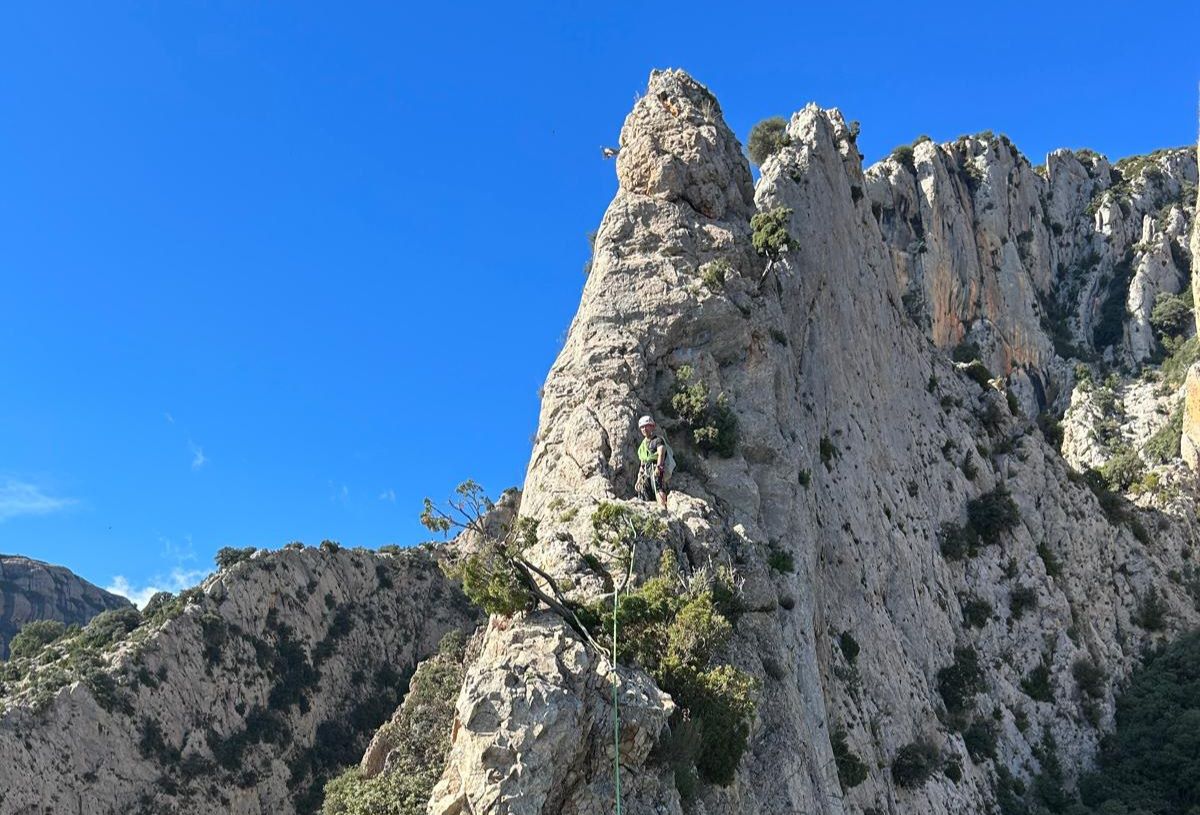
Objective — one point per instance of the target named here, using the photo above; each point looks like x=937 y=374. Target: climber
x=657 y=462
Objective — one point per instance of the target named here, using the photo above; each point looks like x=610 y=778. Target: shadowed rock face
x=31 y=590
x=858 y=439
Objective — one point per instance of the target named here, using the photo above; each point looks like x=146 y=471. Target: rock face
x=859 y=446
x=533 y=745
x=890 y=514
x=31 y=590
x=1034 y=266
x=241 y=697
x=1191 y=421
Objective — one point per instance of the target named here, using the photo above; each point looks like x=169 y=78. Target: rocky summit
x=31 y=590
x=934 y=426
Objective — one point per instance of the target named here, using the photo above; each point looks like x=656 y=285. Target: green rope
x=616 y=711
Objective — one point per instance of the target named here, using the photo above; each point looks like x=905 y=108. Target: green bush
x=1152 y=611
x=1036 y=684
x=675 y=636
x=1049 y=561
x=158 y=602
x=992 y=514
x=849 y=646
x=491 y=582
x=678 y=750
x=1089 y=676
x=828 y=451
x=714 y=274
x=1164 y=446
x=850 y=768
x=767 y=138
x=903 y=155
x=34 y=636
x=976 y=611
x=105 y=691
x=980 y=738
x=961 y=680
x=109 y=627
x=329 y=547
x=417 y=739
x=1151 y=761
x=1020 y=600
x=1175 y=367
x=979 y=373
x=228 y=556
x=1173 y=314
x=957 y=542
x=915 y=763
x=1122 y=470
x=1051 y=428
x=781 y=560
x=770 y=232
x=712 y=422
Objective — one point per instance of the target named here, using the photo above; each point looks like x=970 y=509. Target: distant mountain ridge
x=32 y=590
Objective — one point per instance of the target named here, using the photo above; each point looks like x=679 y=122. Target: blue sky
x=276 y=271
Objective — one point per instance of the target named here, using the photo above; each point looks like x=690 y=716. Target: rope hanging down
x=616 y=710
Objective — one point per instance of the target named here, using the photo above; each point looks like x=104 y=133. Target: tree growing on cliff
x=495 y=573
x=767 y=138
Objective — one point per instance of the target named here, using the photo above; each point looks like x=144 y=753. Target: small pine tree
x=767 y=138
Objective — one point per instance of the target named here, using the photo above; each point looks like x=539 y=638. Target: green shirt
x=648 y=450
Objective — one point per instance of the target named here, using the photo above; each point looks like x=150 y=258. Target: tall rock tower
x=1191 y=414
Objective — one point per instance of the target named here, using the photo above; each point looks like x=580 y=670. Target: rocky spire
x=858 y=445
x=685 y=199
x=1191 y=417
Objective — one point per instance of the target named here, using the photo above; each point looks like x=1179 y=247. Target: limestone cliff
x=31 y=590
x=859 y=445
x=883 y=359
x=1035 y=266
x=1191 y=421
x=241 y=696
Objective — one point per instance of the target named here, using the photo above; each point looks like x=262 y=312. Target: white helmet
x=645 y=421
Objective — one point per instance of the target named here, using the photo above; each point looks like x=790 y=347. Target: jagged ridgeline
x=932 y=508
x=242 y=695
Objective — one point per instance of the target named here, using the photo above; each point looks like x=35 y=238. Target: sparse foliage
x=770 y=233
x=712 y=422
x=915 y=763
x=850 y=768
x=767 y=138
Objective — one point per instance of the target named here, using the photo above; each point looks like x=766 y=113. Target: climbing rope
x=616 y=710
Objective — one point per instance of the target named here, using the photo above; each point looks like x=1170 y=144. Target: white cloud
x=20 y=498
x=198 y=459
x=178 y=552
x=388 y=495
x=177 y=580
x=338 y=493
x=170 y=419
